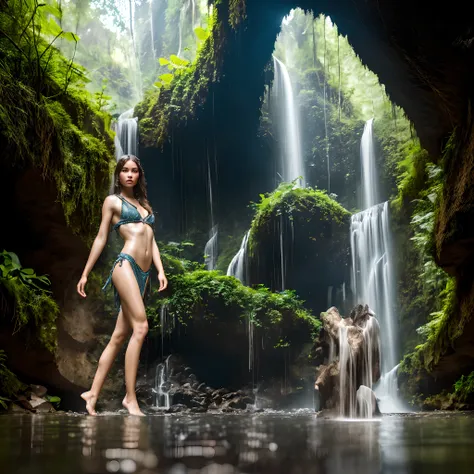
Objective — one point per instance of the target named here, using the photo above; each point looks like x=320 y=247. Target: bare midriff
x=138 y=243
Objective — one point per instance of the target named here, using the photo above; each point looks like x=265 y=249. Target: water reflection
x=227 y=444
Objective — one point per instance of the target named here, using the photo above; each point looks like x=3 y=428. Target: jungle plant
x=464 y=387
x=32 y=303
x=101 y=99
x=178 y=65
x=11 y=268
x=33 y=28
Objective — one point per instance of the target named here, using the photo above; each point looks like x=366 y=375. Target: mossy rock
x=209 y=318
x=313 y=231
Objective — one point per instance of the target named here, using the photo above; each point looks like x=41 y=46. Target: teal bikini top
x=130 y=214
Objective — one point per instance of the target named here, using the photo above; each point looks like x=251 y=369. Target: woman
x=130 y=213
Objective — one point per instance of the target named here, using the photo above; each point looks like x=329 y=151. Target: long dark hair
x=139 y=190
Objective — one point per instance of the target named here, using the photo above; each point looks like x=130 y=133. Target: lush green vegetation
x=64 y=67
x=430 y=315
x=46 y=119
x=49 y=122
x=288 y=199
x=336 y=94
x=197 y=294
x=177 y=95
x=27 y=298
x=30 y=298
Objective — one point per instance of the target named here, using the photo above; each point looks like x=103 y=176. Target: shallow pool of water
x=277 y=443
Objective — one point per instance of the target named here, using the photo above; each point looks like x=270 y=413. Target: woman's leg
x=121 y=332
x=134 y=309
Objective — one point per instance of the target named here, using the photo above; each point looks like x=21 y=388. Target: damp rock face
x=353 y=366
x=309 y=232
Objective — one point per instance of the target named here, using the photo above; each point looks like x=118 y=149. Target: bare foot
x=132 y=407
x=90 y=400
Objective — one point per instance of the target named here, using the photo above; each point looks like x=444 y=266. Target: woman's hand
x=163 y=281
x=81 y=285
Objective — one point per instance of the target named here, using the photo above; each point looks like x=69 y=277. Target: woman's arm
x=99 y=243
x=159 y=266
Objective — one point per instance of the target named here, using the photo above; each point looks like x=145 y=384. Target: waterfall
x=356 y=373
x=372 y=279
x=372 y=268
x=292 y=165
x=125 y=140
x=136 y=61
x=152 y=33
x=210 y=250
x=347 y=379
x=126 y=137
x=182 y=17
x=193 y=21
x=238 y=266
x=370 y=194
x=387 y=393
x=162 y=397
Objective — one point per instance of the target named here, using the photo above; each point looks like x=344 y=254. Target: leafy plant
x=464 y=387
x=209 y=295
x=101 y=99
x=11 y=268
x=33 y=28
x=32 y=302
x=175 y=64
x=54 y=400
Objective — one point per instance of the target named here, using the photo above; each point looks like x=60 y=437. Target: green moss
x=205 y=295
x=43 y=134
x=83 y=173
x=440 y=333
x=461 y=397
x=188 y=90
x=289 y=200
x=464 y=388
x=453 y=200
x=411 y=177
x=31 y=308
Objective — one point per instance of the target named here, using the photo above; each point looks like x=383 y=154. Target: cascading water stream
x=292 y=163
x=126 y=137
x=162 y=397
x=372 y=275
x=211 y=248
x=182 y=19
x=370 y=191
x=152 y=32
x=356 y=375
x=238 y=266
x=372 y=272
x=136 y=61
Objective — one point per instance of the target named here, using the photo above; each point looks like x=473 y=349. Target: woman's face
x=129 y=174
